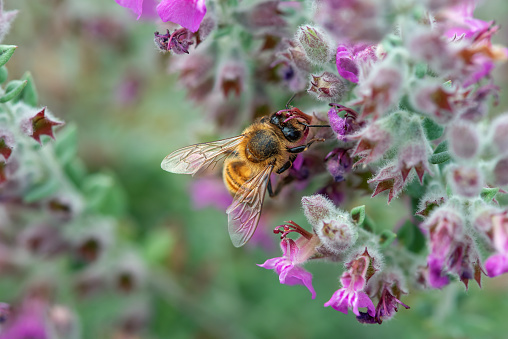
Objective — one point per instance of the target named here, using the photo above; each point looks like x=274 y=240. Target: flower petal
x=496 y=265
x=187 y=13
x=134 y=5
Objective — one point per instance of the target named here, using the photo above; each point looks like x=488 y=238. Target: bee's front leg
x=302 y=148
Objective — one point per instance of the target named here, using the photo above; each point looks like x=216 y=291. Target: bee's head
x=292 y=122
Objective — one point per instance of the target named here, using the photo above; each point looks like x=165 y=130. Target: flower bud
x=338 y=163
x=501 y=172
x=464 y=140
x=337 y=234
x=500 y=137
x=178 y=41
x=317 y=207
x=6 y=144
x=232 y=78
x=466 y=181
x=40 y=124
x=315 y=44
x=326 y=86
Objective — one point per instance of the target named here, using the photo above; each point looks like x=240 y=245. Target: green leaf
x=66 y=145
x=420 y=70
x=104 y=195
x=358 y=215
x=386 y=238
x=442 y=147
x=440 y=158
x=29 y=94
x=432 y=130
x=3 y=74
x=6 y=51
x=488 y=193
x=12 y=89
x=41 y=191
x=410 y=236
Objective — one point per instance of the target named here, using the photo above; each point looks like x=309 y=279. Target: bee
x=270 y=144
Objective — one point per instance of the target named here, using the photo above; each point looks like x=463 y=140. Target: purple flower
x=353 y=281
x=451 y=250
x=460 y=22
x=287 y=266
x=346 y=298
x=210 y=192
x=343 y=126
x=27 y=323
x=351 y=59
x=493 y=225
x=338 y=163
x=186 y=13
x=134 y=5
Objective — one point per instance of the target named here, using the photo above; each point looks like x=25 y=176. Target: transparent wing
x=244 y=212
x=191 y=159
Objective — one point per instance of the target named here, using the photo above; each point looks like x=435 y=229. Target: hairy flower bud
x=315 y=44
x=464 y=140
x=326 y=86
x=501 y=172
x=317 y=207
x=466 y=181
x=500 y=137
x=338 y=163
x=338 y=233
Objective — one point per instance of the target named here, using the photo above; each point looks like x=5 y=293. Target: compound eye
x=291 y=134
x=275 y=119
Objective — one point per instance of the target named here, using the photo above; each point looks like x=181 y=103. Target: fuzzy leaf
x=488 y=193
x=442 y=147
x=12 y=90
x=41 y=191
x=6 y=51
x=432 y=130
x=440 y=158
x=411 y=237
x=386 y=238
x=29 y=94
x=358 y=215
x=3 y=74
x=67 y=144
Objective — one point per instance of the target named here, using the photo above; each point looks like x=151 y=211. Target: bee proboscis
x=270 y=143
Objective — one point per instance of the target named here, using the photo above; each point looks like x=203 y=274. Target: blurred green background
x=98 y=69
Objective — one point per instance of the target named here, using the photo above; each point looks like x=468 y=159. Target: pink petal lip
x=186 y=13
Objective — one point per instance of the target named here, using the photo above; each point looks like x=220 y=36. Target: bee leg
x=302 y=148
x=285 y=167
x=281 y=183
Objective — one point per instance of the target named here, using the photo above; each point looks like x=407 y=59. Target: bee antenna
x=290 y=100
x=307 y=125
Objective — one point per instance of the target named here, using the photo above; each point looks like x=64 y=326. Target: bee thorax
x=261 y=146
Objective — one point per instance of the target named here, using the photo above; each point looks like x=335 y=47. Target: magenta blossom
x=350 y=60
x=287 y=266
x=186 y=13
x=352 y=294
x=345 y=298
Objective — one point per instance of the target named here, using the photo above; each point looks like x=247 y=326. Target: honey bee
x=271 y=143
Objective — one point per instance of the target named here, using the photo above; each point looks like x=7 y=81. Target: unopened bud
x=466 y=181
x=314 y=44
x=316 y=208
x=326 y=86
x=464 y=140
x=178 y=41
x=338 y=163
x=500 y=127
x=501 y=172
x=337 y=234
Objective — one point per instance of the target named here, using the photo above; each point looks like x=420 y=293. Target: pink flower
x=287 y=266
x=345 y=298
x=351 y=295
x=351 y=59
x=186 y=13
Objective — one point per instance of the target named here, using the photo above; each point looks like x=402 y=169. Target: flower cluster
x=407 y=90
x=52 y=212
